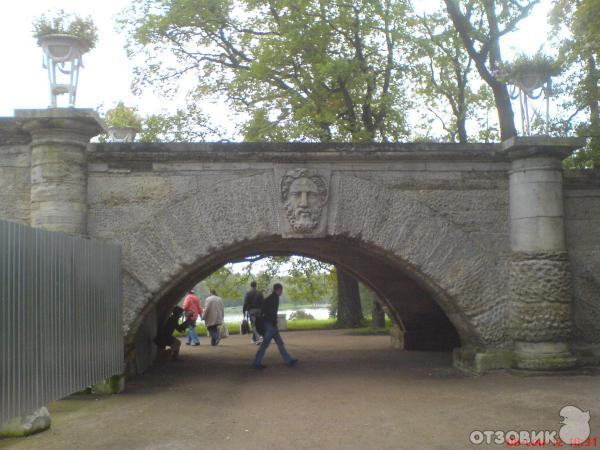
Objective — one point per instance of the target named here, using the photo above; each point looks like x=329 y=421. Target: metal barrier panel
x=60 y=316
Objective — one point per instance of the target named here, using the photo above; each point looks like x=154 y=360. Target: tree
x=443 y=70
x=480 y=25
x=229 y=285
x=349 y=311
x=302 y=69
x=579 y=52
x=310 y=280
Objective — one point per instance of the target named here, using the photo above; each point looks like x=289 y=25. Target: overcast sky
x=106 y=77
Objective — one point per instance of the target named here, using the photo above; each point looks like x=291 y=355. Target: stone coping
x=292 y=152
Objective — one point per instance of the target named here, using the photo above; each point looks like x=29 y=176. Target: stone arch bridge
x=491 y=247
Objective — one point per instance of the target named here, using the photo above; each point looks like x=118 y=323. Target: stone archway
x=364 y=221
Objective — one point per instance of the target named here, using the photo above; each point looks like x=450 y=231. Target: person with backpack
x=252 y=303
x=268 y=318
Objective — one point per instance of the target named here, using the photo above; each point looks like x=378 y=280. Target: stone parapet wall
x=582 y=213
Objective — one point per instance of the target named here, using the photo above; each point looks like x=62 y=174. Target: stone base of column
x=477 y=361
x=544 y=356
x=112 y=385
x=22 y=426
x=588 y=355
x=397 y=337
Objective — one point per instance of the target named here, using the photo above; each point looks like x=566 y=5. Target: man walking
x=214 y=313
x=252 y=303
x=192 y=310
x=269 y=310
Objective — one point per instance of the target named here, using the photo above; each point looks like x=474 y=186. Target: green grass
x=367 y=329
x=311 y=324
x=306 y=325
x=293 y=325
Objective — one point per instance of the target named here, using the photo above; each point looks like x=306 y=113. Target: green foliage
x=309 y=281
x=445 y=80
x=122 y=116
x=301 y=315
x=228 y=284
x=303 y=69
x=576 y=32
x=61 y=22
x=305 y=281
x=186 y=125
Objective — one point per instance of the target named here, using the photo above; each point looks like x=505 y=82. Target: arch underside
x=428 y=272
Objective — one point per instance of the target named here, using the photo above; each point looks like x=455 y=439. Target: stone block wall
x=582 y=211
x=15 y=170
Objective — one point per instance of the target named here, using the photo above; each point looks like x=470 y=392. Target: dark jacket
x=165 y=333
x=269 y=309
x=252 y=300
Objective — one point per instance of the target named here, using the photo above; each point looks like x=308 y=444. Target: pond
x=234 y=315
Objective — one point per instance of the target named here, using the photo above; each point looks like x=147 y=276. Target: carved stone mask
x=304 y=194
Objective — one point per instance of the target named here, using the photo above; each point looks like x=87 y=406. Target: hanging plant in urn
x=123 y=123
x=530 y=77
x=64 y=38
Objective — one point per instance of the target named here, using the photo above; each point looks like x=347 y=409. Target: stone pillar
x=540 y=281
x=59 y=166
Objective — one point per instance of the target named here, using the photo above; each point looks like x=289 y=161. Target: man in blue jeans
x=269 y=310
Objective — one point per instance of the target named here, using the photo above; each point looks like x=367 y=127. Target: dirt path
x=348 y=392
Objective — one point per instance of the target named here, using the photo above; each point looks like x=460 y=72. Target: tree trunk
x=349 y=310
x=506 y=116
x=592 y=93
x=378 y=319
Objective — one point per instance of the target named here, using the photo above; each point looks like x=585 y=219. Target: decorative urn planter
x=122 y=134
x=531 y=79
x=63 y=47
x=64 y=38
x=123 y=123
x=63 y=58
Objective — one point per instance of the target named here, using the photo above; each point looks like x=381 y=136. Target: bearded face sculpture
x=304 y=194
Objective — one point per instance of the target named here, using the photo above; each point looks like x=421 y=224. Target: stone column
x=540 y=280
x=59 y=166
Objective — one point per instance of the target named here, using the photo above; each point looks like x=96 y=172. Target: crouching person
x=165 y=337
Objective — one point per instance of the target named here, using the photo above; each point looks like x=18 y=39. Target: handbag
x=245 y=326
x=223 y=331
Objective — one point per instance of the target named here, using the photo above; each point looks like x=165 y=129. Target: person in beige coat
x=214 y=312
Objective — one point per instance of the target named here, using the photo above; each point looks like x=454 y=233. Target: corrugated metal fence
x=60 y=316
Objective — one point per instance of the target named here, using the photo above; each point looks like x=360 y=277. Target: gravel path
x=347 y=392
